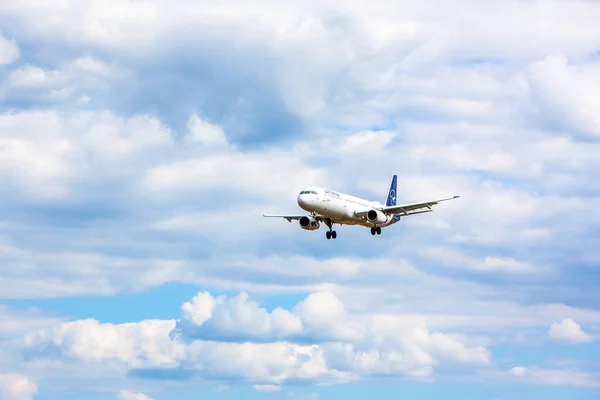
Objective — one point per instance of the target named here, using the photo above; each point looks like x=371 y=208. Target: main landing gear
x=330 y=234
x=375 y=230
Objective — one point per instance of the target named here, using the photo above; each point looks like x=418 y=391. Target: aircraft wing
x=407 y=209
x=286 y=216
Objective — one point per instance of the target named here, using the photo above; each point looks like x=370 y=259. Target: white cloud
x=265 y=363
x=15 y=322
x=366 y=142
x=275 y=175
x=147 y=346
x=518 y=371
x=238 y=318
x=505 y=264
x=17 y=387
x=479 y=36
x=487 y=214
x=354 y=66
x=39 y=164
x=76 y=83
x=205 y=133
x=92 y=65
x=45 y=152
x=200 y=308
x=467 y=107
x=325 y=317
x=137 y=345
x=9 y=51
x=566 y=92
x=30 y=76
x=555 y=377
x=50 y=274
x=448 y=255
x=267 y=388
x=337 y=346
x=125 y=395
x=568 y=330
x=321 y=317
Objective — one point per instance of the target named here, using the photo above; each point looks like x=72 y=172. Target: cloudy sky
x=141 y=141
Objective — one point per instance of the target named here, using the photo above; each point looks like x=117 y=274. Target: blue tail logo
x=391 y=198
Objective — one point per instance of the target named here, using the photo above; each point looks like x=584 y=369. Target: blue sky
x=141 y=142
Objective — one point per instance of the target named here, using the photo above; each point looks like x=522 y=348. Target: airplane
x=331 y=207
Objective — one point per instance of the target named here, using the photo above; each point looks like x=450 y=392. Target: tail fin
x=391 y=198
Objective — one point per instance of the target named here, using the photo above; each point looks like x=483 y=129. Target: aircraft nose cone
x=302 y=202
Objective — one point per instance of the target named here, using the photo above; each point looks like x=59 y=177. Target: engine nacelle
x=309 y=223
x=377 y=217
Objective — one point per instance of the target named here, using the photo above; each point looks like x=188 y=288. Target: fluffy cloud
x=301 y=22
x=336 y=346
x=138 y=345
x=124 y=395
x=208 y=317
x=117 y=144
x=47 y=153
x=138 y=165
x=246 y=173
x=67 y=162
x=325 y=317
x=565 y=92
x=17 y=387
x=146 y=348
x=321 y=317
x=205 y=133
x=568 y=330
x=353 y=67
x=84 y=82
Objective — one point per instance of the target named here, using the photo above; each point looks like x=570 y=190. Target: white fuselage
x=339 y=207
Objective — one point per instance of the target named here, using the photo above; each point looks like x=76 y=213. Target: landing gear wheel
x=328 y=235
x=378 y=230
x=373 y=231
x=333 y=234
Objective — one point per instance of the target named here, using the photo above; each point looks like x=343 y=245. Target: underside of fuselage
x=336 y=213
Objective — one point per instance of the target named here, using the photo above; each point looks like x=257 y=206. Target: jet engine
x=377 y=217
x=309 y=223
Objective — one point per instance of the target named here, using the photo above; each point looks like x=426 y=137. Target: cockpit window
x=308 y=192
